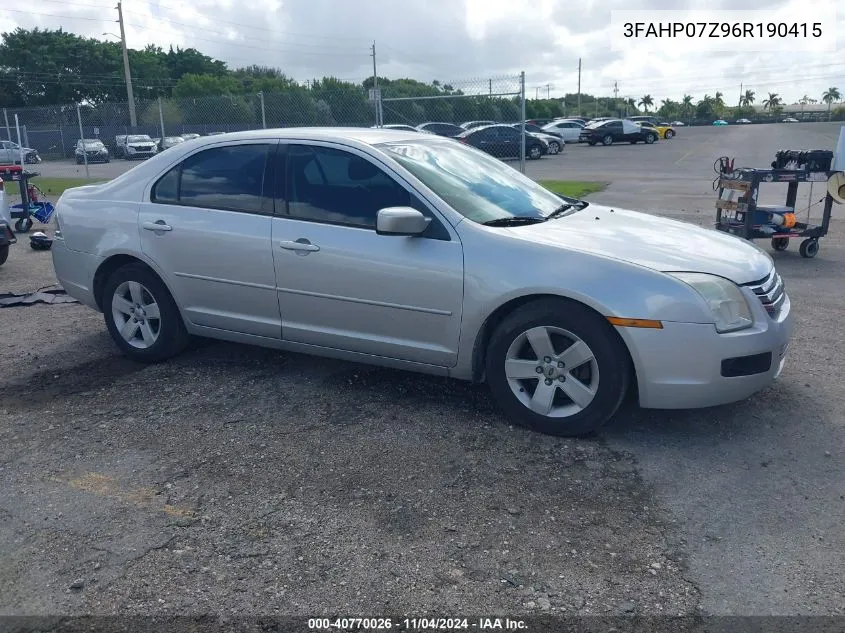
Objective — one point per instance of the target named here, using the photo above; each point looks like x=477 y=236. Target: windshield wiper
x=515 y=220
x=564 y=208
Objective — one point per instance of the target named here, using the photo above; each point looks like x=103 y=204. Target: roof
x=366 y=135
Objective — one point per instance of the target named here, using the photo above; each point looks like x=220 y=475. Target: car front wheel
x=554 y=148
x=607 y=140
x=534 y=152
x=141 y=316
x=558 y=368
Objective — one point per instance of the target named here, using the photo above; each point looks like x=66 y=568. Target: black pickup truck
x=616 y=131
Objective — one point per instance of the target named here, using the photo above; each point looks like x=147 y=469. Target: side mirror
x=401 y=221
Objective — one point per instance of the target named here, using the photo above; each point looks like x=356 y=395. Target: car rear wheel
x=558 y=368
x=534 y=152
x=607 y=140
x=668 y=134
x=4 y=254
x=554 y=147
x=650 y=138
x=141 y=316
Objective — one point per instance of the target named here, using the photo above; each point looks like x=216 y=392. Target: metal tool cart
x=30 y=205
x=738 y=212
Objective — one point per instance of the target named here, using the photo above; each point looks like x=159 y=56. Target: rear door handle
x=300 y=245
x=158 y=225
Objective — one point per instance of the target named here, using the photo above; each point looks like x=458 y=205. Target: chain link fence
x=54 y=130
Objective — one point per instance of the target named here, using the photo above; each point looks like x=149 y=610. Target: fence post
x=263 y=117
x=161 y=119
x=82 y=138
x=20 y=144
x=25 y=136
x=8 y=130
x=522 y=121
x=62 y=137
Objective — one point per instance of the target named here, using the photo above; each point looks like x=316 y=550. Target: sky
x=467 y=42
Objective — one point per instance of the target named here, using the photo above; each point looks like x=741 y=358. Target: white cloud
x=454 y=40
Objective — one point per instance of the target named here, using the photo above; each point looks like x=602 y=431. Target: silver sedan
x=415 y=252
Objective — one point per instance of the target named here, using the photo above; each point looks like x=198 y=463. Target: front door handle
x=300 y=245
x=158 y=225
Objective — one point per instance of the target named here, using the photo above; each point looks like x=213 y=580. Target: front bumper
x=681 y=365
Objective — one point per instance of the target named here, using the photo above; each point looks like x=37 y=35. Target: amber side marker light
x=645 y=323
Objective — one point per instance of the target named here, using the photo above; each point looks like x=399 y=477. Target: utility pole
x=548 y=91
x=740 y=95
x=490 y=86
x=579 y=86
x=129 y=95
x=537 y=93
x=375 y=87
x=616 y=95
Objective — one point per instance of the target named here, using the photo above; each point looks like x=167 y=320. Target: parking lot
x=248 y=481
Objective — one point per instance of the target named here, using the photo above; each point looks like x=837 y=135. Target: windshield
x=139 y=139
x=174 y=139
x=92 y=143
x=594 y=124
x=478 y=186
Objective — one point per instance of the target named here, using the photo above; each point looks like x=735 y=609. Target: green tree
x=191 y=85
x=772 y=102
x=646 y=102
x=747 y=99
x=830 y=95
x=185 y=61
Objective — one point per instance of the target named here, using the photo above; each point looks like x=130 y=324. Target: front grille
x=770 y=291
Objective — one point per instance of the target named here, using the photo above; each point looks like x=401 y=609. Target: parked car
x=415 y=252
x=93 y=148
x=10 y=154
x=137 y=146
x=678 y=124
x=554 y=144
x=442 y=129
x=190 y=136
x=170 y=141
x=7 y=237
x=502 y=141
x=720 y=122
x=790 y=119
x=743 y=121
x=572 y=118
x=539 y=122
x=471 y=124
x=536 y=129
x=120 y=146
x=615 y=131
x=569 y=131
x=664 y=130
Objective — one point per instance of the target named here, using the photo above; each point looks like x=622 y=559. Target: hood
x=653 y=242
x=134 y=143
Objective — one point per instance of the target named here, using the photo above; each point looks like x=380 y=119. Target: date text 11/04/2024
x=417 y=624
x=723 y=29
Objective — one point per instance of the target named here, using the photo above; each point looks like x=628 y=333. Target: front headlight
x=730 y=309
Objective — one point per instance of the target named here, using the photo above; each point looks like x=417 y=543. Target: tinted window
x=330 y=185
x=221 y=178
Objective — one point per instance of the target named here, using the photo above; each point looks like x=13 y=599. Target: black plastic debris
x=56 y=295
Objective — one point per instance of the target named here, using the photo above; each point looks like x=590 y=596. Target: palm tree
x=646 y=102
x=772 y=102
x=718 y=100
x=747 y=99
x=686 y=106
x=831 y=95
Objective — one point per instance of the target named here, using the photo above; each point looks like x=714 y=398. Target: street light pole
x=132 y=120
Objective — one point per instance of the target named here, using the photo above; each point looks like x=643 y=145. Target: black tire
x=633 y=142
x=607 y=140
x=554 y=147
x=612 y=358
x=172 y=339
x=22 y=225
x=650 y=138
x=668 y=134
x=534 y=152
x=591 y=143
x=780 y=243
x=4 y=254
x=809 y=248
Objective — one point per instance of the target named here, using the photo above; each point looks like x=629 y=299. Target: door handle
x=300 y=245
x=158 y=225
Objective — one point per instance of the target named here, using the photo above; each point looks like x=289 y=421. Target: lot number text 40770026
x=417 y=624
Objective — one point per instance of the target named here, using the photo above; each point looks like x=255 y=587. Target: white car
x=678 y=124
x=790 y=119
x=743 y=121
x=569 y=131
x=417 y=252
